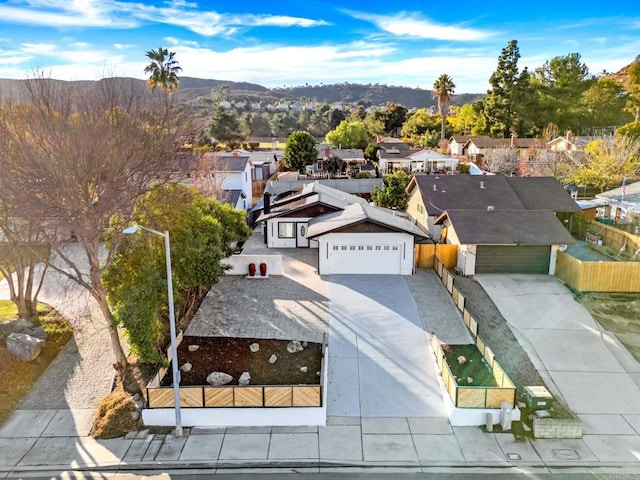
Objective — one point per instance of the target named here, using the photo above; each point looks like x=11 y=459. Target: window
x=335 y=247
x=286 y=230
x=360 y=247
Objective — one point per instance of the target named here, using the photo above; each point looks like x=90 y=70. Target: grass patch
x=617 y=313
x=9 y=311
x=17 y=377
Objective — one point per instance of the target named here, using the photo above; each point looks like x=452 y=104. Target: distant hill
x=373 y=94
x=192 y=89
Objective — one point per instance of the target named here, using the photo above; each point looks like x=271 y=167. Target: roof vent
x=435 y=187
x=482 y=185
x=490 y=208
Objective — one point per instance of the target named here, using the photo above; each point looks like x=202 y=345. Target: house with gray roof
x=351 y=236
x=500 y=224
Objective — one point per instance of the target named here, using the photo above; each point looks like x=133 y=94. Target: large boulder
x=14 y=326
x=23 y=346
x=218 y=378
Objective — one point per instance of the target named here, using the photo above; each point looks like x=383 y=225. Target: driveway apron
x=380 y=364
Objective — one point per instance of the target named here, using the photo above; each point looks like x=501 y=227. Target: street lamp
x=172 y=321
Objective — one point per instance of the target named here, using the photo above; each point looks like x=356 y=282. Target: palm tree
x=442 y=90
x=163 y=70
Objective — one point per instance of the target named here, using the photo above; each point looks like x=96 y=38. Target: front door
x=301 y=235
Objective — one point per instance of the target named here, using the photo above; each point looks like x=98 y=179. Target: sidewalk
x=45 y=441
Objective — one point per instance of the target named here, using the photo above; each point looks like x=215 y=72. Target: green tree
x=602 y=104
x=466 y=119
x=633 y=89
x=394 y=192
x=560 y=84
x=505 y=105
x=335 y=165
x=163 y=70
x=256 y=124
x=421 y=128
x=631 y=130
x=371 y=151
x=393 y=116
x=299 y=150
x=443 y=88
x=348 y=135
x=225 y=126
x=203 y=233
x=608 y=162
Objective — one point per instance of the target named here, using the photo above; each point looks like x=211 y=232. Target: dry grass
x=114 y=416
x=17 y=377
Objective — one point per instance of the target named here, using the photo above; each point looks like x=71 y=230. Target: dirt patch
x=474 y=367
x=618 y=313
x=233 y=356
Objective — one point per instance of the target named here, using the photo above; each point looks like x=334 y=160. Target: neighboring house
x=392 y=154
x=227 y=176
x=570 y=143
x=456 y=144
x=326 y=151
x=430 y=161
x=351 y=236
x=286 y=217
x=622 y=208
x=500 y=224
x=362 y=239
x=480 y=146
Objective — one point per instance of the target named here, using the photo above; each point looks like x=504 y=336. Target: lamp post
x=172 y=321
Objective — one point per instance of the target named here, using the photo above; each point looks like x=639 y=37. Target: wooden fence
x=610 y=235
x=233 y=396
x=476 y=396
x=586 y=276
x=425 y=255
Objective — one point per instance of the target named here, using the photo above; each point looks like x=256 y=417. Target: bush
x=114 y=416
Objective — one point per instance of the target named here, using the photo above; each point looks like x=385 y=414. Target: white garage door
x=373 y=258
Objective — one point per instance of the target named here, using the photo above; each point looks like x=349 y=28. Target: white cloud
x=126 y=15
x=405 y=24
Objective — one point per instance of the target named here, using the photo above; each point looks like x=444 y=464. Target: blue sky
x=281 y=42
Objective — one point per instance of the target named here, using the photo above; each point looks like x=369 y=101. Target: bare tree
x=79 y=156
x=21 y=250
x=501 y=160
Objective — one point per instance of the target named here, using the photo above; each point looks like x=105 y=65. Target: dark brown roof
x=543 y=193
x=471 y=192
x=533 y=227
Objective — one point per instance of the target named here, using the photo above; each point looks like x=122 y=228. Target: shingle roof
x=358 y=213
x=533 y=227
x=225 y=163
x=468 y=192
x=309 y=194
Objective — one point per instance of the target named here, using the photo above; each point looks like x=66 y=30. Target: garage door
x=513 y=258
x=374 y=258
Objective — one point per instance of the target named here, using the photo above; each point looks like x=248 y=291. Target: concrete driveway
x=581 y=362
x=380 y=364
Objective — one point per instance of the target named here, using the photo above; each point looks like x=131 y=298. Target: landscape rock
x=304 y=369
x=135 y=415
x=218 y=378
x=135 y=397
x=305 y=344
x=37 y=332
x=244 y=379
x=23 y=346
x=186 y=367
x=294 y=346
x=273 y=358
x=462 y=359
x=469 y=380
x=193 y=348
x=16 y=325
x=254 y=347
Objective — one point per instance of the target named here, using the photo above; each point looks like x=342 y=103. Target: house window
x=369 y=247
x=378 y=247
x=360 y=247
x=344 y=247
x=286 y=230
x=335 y=247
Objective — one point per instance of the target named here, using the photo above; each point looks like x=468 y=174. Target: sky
x=283 y=43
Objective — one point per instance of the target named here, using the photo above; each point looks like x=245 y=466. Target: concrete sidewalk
x=44 y=441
